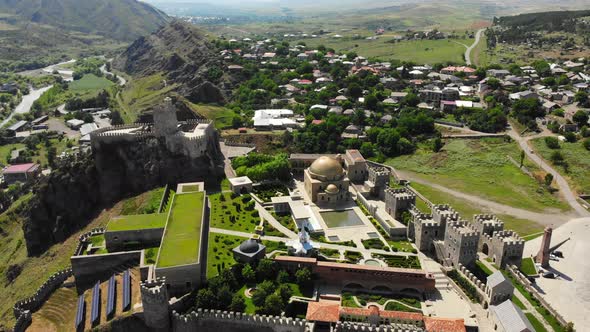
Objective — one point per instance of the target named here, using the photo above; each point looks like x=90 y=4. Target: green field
x=417 y=51
x=482 y=168
x=90 y=82
x=136 y=222
x=181 y=240
x=467 y=210
x=220 y=115
x=577 y=158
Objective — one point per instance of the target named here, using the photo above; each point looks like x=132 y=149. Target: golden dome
x=331 y=189
x=326 y=167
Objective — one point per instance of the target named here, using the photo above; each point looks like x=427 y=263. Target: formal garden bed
x=233 y=212
x=268 y=190
x=407 y=262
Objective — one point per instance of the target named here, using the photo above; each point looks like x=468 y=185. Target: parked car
x=558 y=253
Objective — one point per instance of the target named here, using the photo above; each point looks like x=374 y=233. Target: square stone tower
x=165 y=121
x=461 y=244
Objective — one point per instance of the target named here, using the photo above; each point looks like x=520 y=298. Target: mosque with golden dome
x=326 y=182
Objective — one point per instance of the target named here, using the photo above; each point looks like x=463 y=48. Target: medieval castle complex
x=192 y=138
x=455 y=241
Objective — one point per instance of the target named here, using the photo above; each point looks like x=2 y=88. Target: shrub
x=570 y=137
x=552 y=142
x=587 y=144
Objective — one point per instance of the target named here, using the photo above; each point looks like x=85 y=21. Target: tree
x=582 y=98
x=522 y=154
x=51 y=154
x=552 y=142
x=285 y=292
x=581 y=118
x=265 y=269
x=205 y=299
x=282 y=277
x=273 y=305
x=548 y=179
x=387 y=141
x=263 y=289
x=410 y=100
x=437 y=144
x=587 y=144
x=371 y=102
x=116 y=118
x=224 y=297
x=238 y=304
x=303 y=276
x=570 y=137
x=355 y=90
x=248 y=273
x=367 y=149
x=557 y=157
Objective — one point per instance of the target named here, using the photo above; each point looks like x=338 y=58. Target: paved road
x=546 y=219
x=26 y=103
x=564 y=187
x=122 y=81
x=470 y=48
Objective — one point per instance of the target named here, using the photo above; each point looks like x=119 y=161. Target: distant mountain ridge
x=122 y=20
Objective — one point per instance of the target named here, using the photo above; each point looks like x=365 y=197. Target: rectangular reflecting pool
x=345 y=218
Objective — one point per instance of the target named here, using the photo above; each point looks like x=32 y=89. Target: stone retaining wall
x=513 y=270
x=360 y=327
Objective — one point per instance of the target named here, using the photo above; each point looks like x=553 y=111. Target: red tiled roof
x=323 y=311
x=20 y=168
x=433 y=324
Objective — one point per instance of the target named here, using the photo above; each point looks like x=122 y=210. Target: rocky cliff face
x=75 y=192
x=183 y=53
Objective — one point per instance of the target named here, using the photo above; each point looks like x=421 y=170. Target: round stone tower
x=165 y=121
x=154 y=298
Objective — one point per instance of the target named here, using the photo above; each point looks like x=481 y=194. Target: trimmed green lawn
x=137 y=221
x=535 y=323
x=181 y=240
x=237 y=214
x=518 y=303
x=577 y=158
x=528 y=266
x=480 y=167
x=250 y=307
x=90 y=82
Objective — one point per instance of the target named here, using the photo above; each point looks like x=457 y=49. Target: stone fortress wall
x=217 y=320
x=83 y=238
x=24 y=309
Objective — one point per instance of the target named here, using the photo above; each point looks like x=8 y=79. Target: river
x=26 y=103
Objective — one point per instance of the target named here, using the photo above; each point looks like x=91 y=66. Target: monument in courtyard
x=326 y=181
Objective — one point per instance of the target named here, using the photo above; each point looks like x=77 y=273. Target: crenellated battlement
x=191 y=321
x=35 y=301
x=462 y=229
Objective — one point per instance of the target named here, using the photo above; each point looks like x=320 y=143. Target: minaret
x=543 y=254
x=165 y=121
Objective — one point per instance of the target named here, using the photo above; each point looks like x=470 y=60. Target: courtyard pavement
x=569 y=294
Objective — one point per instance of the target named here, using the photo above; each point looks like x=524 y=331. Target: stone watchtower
x=398 y=200
x=154 y=298
x=165 y=121
x=461 y=244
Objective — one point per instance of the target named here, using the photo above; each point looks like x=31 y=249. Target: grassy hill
x=116 y=19
x=34 y=33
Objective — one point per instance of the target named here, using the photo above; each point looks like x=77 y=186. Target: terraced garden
x=232 y=212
